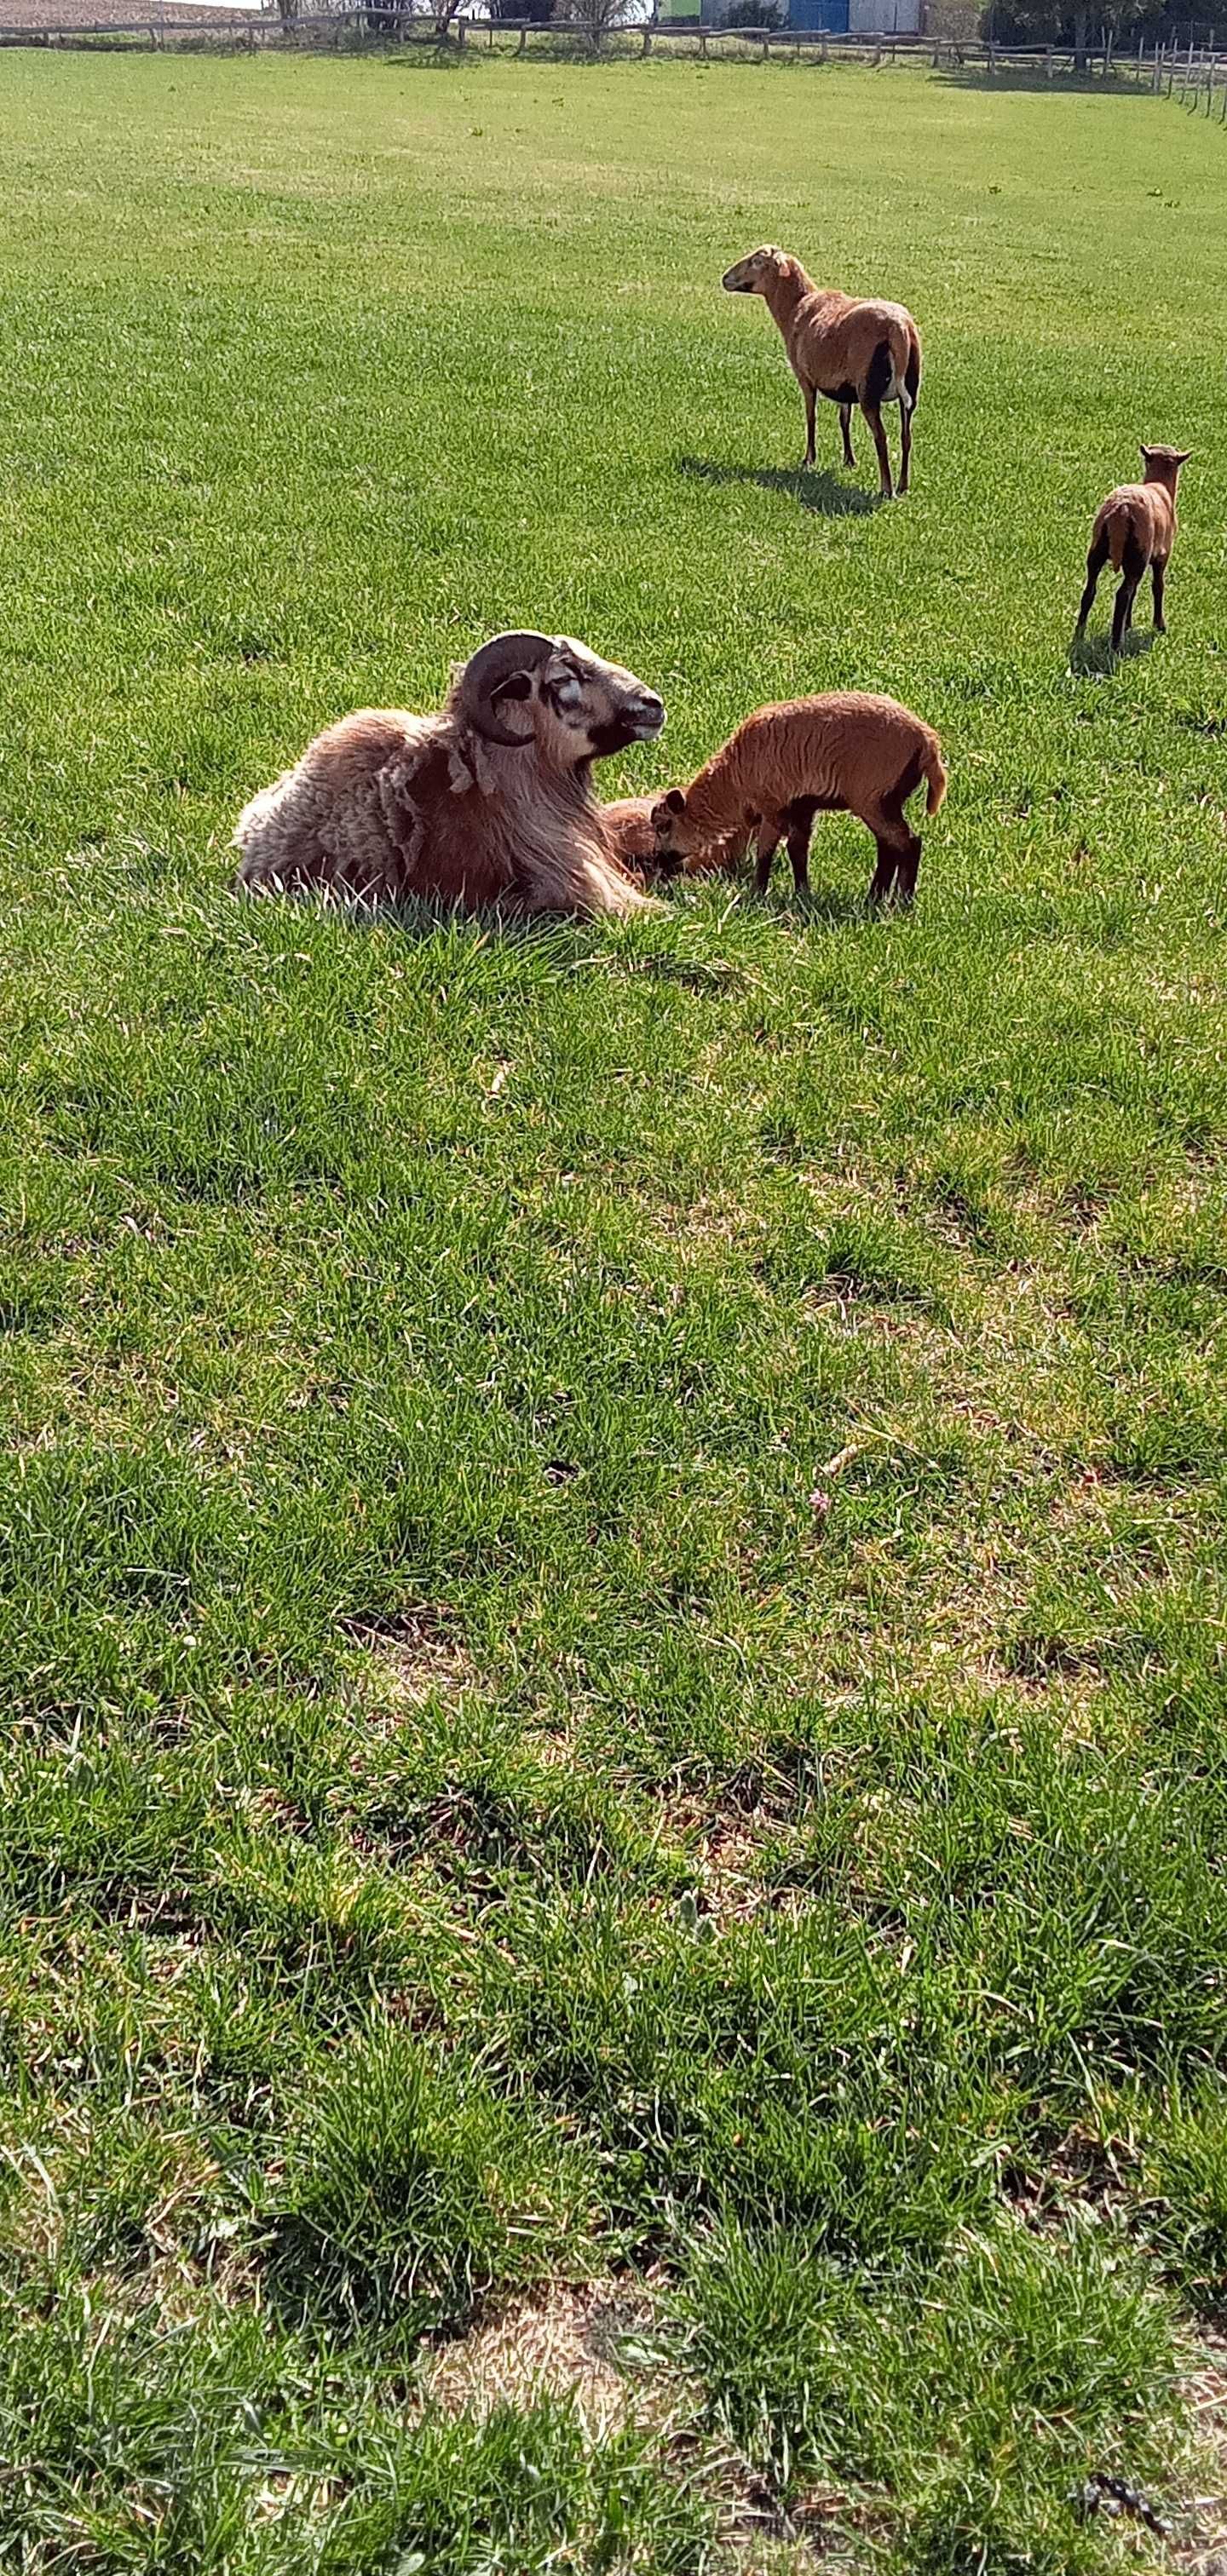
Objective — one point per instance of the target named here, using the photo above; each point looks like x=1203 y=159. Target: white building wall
x=884 y=17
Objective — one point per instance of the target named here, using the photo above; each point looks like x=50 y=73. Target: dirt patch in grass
x=411 y=1658
x=570 y=2340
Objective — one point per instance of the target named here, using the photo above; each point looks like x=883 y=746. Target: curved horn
x=490 y=666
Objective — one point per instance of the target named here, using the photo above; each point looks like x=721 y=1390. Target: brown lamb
x=1134 y=531
x=487 y=802
x=842 y=347
x=631 y=834
x=841 y=754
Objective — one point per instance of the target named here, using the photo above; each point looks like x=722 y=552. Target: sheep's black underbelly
x=838 y=393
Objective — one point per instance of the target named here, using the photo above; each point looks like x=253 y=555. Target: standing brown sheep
x=841 y=347
x=1135 y=530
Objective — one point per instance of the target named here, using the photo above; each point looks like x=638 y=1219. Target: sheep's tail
x=932 y=767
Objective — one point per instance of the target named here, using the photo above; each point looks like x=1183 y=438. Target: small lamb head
x=523 y=688
x=1163 y=464
x=676 y=834
x=754 y=274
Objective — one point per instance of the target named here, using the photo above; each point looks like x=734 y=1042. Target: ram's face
x=750 y=276
x=591 y=707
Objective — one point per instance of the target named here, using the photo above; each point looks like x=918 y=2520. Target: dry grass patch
x=568 y=2340
x=410 y=1660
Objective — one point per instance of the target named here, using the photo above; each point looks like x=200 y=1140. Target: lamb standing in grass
x=841 y=347
x=1135 y=529
x=841 y=754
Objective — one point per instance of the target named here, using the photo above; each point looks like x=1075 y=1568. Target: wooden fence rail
x=1197 y=78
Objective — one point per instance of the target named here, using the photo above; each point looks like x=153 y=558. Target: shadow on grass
x=821 y=492
x=974 y=76
x=1098 y=656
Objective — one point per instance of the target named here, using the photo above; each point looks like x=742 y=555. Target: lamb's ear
x=675 y=801
x=1181 y=455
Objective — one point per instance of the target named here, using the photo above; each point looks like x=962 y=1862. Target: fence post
x=647 y=42
x=523 y=40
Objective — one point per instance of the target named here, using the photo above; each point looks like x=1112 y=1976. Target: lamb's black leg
x=884 y=873
x=1132 y=569
x=909 y=868
x=800 y=827
x=1095 y=562
x=768 y=844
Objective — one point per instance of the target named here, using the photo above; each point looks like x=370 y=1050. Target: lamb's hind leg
x=845 y=423
x=811 y=405
x=1095 y=562
x=1132 y=569
x=898 y=845
x=1157 y=571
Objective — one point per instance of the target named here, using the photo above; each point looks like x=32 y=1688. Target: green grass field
x=612 y=1613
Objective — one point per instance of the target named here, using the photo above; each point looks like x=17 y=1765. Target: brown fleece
x=1145 y=512
x=1134 y=531
x=629 y=832
x=386 y=805
x=843 y=753
x=832 y=341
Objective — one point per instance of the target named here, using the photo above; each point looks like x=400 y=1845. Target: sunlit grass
x=612 y=1607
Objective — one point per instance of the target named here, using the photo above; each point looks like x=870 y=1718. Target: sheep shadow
x=820 y=491
x=1096 y=657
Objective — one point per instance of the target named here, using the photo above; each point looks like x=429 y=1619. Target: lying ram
x=488 y=802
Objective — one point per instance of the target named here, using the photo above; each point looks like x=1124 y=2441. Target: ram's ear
x=675 y=801
x=520 y=685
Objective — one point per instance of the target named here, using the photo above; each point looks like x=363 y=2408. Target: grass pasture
x=611 y=1591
